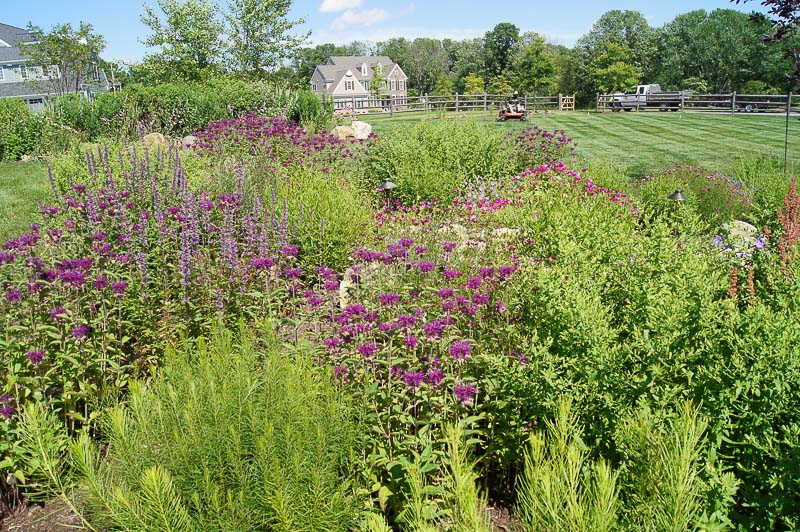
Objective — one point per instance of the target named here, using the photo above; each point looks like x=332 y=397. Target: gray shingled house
x=349 y=80
x=33 y=83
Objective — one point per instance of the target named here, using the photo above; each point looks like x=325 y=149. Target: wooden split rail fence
x=430 y=103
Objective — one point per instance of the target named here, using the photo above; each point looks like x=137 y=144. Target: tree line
x=715 y=51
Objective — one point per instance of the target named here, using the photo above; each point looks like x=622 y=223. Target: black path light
x=678 y=195
x=386 y=188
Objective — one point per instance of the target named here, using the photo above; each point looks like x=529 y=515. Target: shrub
x=225 y=438
x=20 y=130
x=306 y=108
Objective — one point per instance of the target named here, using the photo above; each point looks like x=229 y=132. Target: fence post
x=789 y=103
x=525 y=101
x=391 y=105
x=733 y=103
x=597 y=108
x=456 y=102
x=485 y=102
x=534 y=101
x=559 y=101
x=683 y=97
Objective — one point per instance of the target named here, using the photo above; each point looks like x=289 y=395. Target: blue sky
x=342 y=21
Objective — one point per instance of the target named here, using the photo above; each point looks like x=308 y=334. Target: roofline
x=396 y=65
x=334 y=89
x=30 y=95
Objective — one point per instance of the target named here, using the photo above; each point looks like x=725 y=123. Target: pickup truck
x=647 y=96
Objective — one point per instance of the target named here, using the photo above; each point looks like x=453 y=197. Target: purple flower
x=6 y=408
x=406 y=242
x=389 y=299
x=420 y=250
x=425 y=266
x=448 y=247
x=292 y=273
x=461 y=349
x=101 y=283
x=486 y=271
x=58 y=314
x=13 y=295
x=411 y=341
x=331 y=286
x=290 y=250
x=367 y=350
x=433 y=329
x=388 y=326
x=79 y=333
x=119 y=288
x=473 y=283
x=480 y=298
x=506 y=271
x=717 y=241
x=340 y=373
x=97 y=236
x=760 y=244
x=262 y=263
x=465 y=392
x=332 y=343
x=72 y=278
x=445 y=293
x=406 y=320
x=434 y=377
x=35 y=356
x=450 y=273
x=414 y=378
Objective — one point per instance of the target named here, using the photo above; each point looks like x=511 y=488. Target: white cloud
x=331 y=6
x=366 y=17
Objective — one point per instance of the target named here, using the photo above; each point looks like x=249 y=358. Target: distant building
x=33 y=83
x=349 y=80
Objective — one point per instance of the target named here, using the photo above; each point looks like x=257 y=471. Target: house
x=35 y=83
x=350 y=79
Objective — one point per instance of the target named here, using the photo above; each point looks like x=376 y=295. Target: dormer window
x=379 y=69
x=363 y=69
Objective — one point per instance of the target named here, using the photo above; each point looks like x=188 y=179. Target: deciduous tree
x=189 y=38
x=499 y=45
x=75 y=53
x=259 y=35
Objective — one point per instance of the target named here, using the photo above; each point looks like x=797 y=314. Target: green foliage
x=444 y=86
x=561 y=489
x=430 y=160
x=474 y=84
x=535 y=68
x=715 y=197
x=499 y=44
x=226 y=438
x=20 y=130
x=611 y=69
x=306 y=108
x=188 y=34
x=500 y=85
x=74 y=51
x=258 y=32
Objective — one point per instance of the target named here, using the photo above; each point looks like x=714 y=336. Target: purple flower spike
x=414 y=378
x=465 y=392
x=36 y=356
x=367 y=350
x=79 y=333
x=434 y=376
x=461 y=349
x=389 y=299
x=119 y=288
x=411 y=341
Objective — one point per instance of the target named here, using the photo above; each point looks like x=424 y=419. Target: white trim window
x=363 y=69
x=2 y=74
x=393 y=85
x=349 y=85
x=314 y=87
x=53 y=72
x=22 y=72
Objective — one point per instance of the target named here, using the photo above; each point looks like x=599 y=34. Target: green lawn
x=22 y=187
x=648 y=141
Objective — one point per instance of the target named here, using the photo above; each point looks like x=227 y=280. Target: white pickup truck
x=647 y=96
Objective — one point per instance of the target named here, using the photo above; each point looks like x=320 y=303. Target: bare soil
x=54 y=516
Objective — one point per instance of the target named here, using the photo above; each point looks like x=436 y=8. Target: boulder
x=343 y=132
x=739 y=230
x=362 y=130
x=188 y=141
x=154 y=139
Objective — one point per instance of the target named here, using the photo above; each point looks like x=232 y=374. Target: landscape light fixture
x=386 y=187
x=678 y=195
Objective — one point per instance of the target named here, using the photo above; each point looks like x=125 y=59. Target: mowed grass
x=646 y=142
x=22 y=187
